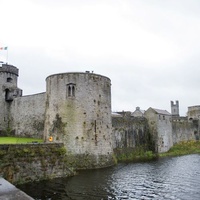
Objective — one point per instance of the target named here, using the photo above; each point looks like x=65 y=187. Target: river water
x=167 y=178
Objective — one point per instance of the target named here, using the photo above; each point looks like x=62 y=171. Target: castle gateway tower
x=78 y=113
x=9 y=91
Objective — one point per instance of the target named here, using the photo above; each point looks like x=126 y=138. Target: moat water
x=176 y=178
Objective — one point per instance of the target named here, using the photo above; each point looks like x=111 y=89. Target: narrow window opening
x=9 y=80
x=8 y=95
x=71 y=90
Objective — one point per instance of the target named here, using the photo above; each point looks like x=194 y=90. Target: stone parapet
x=9 y=69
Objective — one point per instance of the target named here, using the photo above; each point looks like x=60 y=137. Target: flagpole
x=5 y=48
x=7 y=56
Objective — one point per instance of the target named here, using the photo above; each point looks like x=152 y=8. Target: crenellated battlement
x=9 y=69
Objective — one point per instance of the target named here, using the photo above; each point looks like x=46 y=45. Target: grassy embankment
x=183 y=148
x=17 y=140
x=137 y=155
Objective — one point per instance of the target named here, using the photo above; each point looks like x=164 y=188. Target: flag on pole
x=3 y=48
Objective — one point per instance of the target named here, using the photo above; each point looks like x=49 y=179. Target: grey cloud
x=143 y=73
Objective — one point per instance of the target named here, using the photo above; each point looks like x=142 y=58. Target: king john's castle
x=76 y=111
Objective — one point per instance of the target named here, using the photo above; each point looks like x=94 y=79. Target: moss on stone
x=23 y=163
x=38 y=125
x=58 y=125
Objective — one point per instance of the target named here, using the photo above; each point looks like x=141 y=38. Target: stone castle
x=76 y=110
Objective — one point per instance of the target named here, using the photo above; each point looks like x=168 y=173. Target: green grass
x=17 y=140
x=183 y=148
x=146 y=156
x=136 y=155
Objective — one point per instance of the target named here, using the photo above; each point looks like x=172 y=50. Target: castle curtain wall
x=27 y=115
x=184 y=130
x=129 y=132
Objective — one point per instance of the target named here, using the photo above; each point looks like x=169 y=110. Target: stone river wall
x=33 y=162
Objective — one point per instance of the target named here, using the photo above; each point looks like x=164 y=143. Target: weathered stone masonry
x=33 y=162
x=8 y=91
x=78 y=113
x=130 y=134
x=76 y=110
x=27 y=115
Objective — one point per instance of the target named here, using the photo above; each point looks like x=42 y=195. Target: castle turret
x=78 y=113
x=193 y=112
x=8 y=91
x=175 y=109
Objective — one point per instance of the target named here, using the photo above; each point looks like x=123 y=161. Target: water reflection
x=168 y=178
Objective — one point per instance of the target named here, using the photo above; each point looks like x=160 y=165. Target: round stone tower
x=78 y=113
x=8 y=91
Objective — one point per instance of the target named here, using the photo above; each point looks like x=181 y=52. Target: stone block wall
x=164 y=137
x=33 y=162
x=8 y=90
x=27 y=115
x=130 y=132
x=193 y=112
x=184 y=130
x=160 y=128
x=78 y=113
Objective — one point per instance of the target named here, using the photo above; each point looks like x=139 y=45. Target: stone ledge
x=10 y=192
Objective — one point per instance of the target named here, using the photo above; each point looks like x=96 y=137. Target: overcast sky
x=150 y=49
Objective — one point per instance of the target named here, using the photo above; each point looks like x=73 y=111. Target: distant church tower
x=8 y=91
x=175 y=109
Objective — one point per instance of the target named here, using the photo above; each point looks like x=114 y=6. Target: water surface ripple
x=167 y=178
